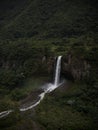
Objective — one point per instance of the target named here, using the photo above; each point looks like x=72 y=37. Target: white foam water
x=47 y=89
x=5 y=113
x=58 y=70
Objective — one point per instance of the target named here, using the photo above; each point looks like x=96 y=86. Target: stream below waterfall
x=46 y=89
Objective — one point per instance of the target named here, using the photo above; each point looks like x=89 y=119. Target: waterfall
x=50 y=87
x=47 y=89
x=57 y=72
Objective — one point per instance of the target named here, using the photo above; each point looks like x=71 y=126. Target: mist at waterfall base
x=47 y=88
x=50 y=87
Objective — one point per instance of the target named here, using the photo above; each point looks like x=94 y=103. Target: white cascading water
x=51 y=87
x=47 y=88
x=58 y=70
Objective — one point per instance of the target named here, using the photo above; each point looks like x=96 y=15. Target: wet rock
x=75 y=68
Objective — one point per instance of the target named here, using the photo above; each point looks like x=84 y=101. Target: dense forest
x=32 y=34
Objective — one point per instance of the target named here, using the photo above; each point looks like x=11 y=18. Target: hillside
x=47 y=19
x=32 y=34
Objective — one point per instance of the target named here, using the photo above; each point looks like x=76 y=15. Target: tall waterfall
x=47 y=89
x=57 y=72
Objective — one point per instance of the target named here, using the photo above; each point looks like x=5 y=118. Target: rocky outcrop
x=75 y=68
x=48 y=64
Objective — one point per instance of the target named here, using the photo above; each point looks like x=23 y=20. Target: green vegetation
x=71 y=109
x=48 y=19
x=32 y=33
x=10 y=99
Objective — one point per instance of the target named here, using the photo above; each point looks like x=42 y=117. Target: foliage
x=31 y=30
x=55 y=112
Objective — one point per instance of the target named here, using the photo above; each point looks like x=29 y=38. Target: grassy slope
x=66 y=109
x=11 y=99
x=57 y=112
x=60 y=26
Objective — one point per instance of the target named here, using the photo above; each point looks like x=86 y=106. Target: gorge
x=43 y=42
x=47 y=89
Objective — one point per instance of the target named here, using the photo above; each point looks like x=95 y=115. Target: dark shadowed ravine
x=47 y=88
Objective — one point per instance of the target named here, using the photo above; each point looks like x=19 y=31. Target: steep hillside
x=46 y=19
x=33 y=30
x=32 y=34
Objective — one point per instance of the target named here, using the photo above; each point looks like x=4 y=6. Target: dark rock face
x=75 y=68
x=48 y=64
